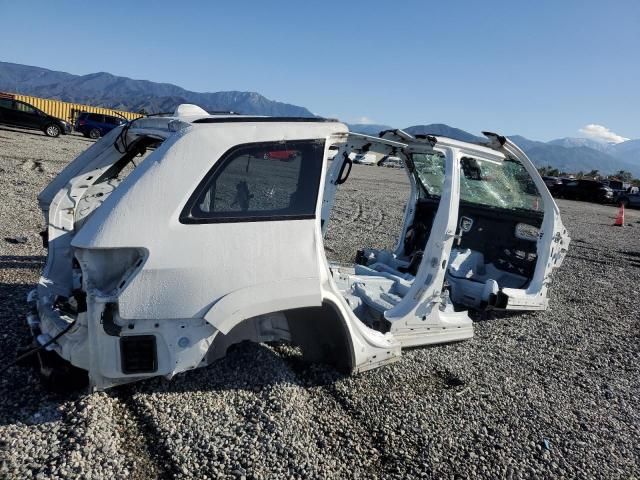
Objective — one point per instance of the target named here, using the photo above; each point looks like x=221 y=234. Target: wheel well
x=322 y=335
x=320 y=332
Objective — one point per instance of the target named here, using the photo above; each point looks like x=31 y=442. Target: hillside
x=629 y=150
x=445 y=131
x=368 y=128
x=576 y=159
x=107 y=90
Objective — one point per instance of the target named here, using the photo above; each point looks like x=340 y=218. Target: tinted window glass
x=23 y=107
x=6 y=103
x=111 y=120
x=269 y=181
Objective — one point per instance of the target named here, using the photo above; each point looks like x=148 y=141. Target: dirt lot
x=554 y=394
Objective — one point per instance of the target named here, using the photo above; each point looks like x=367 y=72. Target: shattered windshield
x=492 y=183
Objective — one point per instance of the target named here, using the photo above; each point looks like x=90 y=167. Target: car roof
x=104 y=114
x=189 y=113
x=258 y=119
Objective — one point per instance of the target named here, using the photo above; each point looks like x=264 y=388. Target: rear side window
x=23 y=107
x=260 y=182
x=6 y=103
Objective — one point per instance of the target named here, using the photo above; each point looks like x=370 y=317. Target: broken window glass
x=430 y=170
x=503 y=184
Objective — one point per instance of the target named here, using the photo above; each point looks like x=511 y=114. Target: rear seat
x=381 y=287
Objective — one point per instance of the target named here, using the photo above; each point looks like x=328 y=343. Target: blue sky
x=542 y=69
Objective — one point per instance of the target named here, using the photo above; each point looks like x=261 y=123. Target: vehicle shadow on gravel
x=26 y=400
x=253 y=367
x=23 y=397
x=21 y=261
x=35 y=133
x=488 y=315
x=38 y=133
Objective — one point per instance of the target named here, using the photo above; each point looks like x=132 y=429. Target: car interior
x=495 y=247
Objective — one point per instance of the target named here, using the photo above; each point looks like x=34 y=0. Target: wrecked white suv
x=157 y=264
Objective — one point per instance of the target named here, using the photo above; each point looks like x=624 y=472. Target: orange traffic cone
x=620 y=217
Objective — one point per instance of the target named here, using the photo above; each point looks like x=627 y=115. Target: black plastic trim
x=45 y=238
x=265 y=120
x=347 y=161
x=389 y=130
x=499 y=300
x=501 y=138
x=272 y=218
x=428 y=137
x=130 y=348
x=109 y=326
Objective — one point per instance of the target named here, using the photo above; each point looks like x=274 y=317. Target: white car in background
x=391 y=162
x=157 y=265
x=363 y=158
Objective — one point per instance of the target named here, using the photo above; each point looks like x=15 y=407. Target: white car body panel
x=187 y=291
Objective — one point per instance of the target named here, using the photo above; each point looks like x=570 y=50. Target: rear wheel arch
x=320 y=331
x=323 y=335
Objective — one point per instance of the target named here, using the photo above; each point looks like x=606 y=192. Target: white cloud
x=601 y=133
x=365 y=120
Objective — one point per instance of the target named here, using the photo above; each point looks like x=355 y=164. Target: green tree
x=548 y=170
x=624 y=175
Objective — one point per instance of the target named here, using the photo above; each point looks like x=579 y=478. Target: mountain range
x=569 y=154
x=107 y=90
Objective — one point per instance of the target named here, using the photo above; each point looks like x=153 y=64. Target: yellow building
x=65 y=110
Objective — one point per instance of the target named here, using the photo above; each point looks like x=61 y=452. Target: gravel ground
x=553 y=394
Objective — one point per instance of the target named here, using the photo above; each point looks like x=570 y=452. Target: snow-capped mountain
x=571 y=142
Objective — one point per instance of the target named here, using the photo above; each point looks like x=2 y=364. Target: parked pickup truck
x=157 y=264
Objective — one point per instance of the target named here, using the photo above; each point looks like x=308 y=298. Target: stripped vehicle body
x=216 y=237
